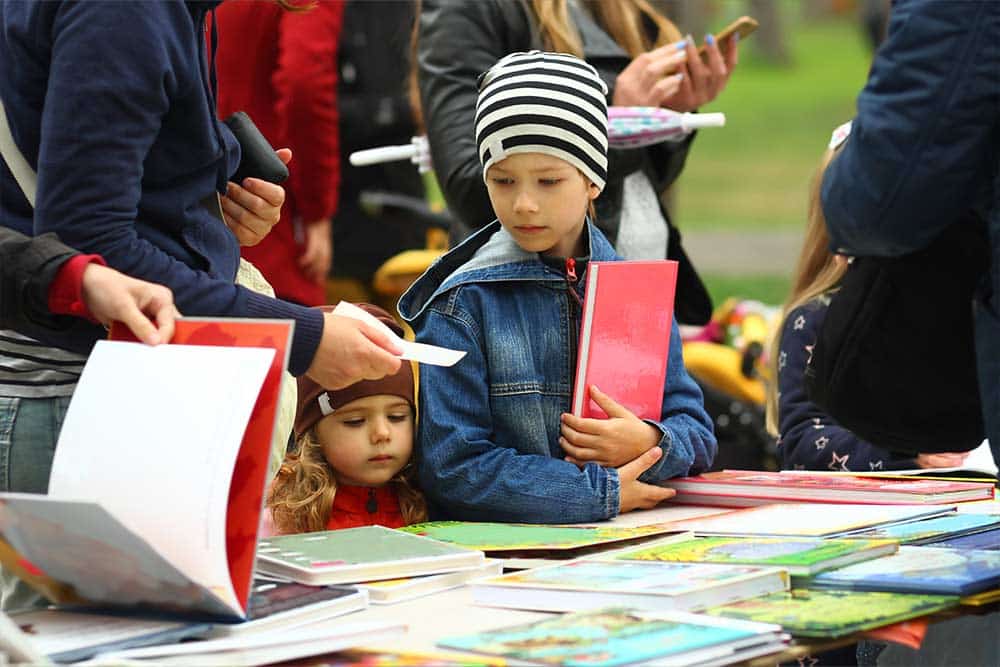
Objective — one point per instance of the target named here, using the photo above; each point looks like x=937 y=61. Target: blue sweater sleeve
x=109 y=91
x=810 y=439
x=472 y=477
x=688 y=442
x=924 y=132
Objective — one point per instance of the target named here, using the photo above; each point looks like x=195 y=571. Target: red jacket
x=281 y=68
x=353 y=505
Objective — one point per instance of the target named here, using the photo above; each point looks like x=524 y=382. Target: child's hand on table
x=633 y=494
x=611 y=442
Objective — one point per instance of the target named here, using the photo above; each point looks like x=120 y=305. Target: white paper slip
x=420 y=352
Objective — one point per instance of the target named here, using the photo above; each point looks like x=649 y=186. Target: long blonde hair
x=301 y=498
x=629 y=22
x=816 y=273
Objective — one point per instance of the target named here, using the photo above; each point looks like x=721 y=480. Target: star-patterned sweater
x=810 y=439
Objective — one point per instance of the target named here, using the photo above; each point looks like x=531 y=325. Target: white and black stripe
x=552 y=103
x=30 y=369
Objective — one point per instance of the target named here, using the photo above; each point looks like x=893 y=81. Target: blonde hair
x=816 y=273
x=629 y=22
x=301 y=498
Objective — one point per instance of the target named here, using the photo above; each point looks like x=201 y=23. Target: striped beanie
x=537 y=102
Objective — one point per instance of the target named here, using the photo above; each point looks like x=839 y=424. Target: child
x=808 y=438
x=497 y=442
x=351 y=466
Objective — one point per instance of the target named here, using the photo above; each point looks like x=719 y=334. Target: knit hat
x=315 y=402
x=538 y=102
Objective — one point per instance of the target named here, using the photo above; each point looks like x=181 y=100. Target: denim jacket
x=489 y=426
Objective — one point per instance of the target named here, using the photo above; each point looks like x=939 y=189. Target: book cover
x=177 y=533
x=624 y=338
x=504 y=537
x=352 y=555
x=279 y=605
x=361 y=657
x=833 y=613
x=390 y=591
x=806 y=519
x=988 y=540
x=743 y=488
x=654 y=586
x=615 y=636
x=935 y=570
x=801 y=557
x=933 y=531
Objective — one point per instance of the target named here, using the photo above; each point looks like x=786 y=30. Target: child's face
x=542 y=201
x=368 y=440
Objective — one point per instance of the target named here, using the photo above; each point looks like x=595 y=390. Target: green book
x=351 y=555
x=521 y=537
x=801 y=557
x=834 y=613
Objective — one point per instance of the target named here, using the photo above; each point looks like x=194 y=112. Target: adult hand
x=253 y=207
x=351 y=350
x=317 y=254
x=610 y=442
x=633 y=494
x=942 y=460
x=704 y=79
x=651 y=78
x=113 y=296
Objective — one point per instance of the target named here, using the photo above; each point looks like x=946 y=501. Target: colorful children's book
x=746 y=488
x=932 y=531
x=279 y=606
x=625 y=330
x=801 y=557
x=42 y=635
x=920 y=570
x=833 y=613
x=650 y=586
x=619 y=636
x=988 y=540
x=352 y=555
x=390 y=591
x=158 y=479
x=501 y=538
x=361 y=657
x=807 y=519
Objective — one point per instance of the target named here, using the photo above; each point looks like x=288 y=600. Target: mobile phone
x=742 y=26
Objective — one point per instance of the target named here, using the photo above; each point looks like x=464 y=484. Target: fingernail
x=736 y=38
x=681 y=44
x=680 y=76
x=710 y=38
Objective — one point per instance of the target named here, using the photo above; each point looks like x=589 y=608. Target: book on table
x=650 y=586
x=354 y=555
x=391 y=591
x=800 y=557
x=988 y=540
x=933 y=531
x=158 y=479
x=619 y=636
x=747 y=488
x=937 y=570
x=624 y=341
x=807 y=519
x=834 y=613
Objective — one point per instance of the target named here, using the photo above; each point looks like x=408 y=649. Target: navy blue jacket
x=924 y=148
x=112 y=104
x=808 y=438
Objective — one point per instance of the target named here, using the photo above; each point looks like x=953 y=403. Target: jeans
x=29 y=429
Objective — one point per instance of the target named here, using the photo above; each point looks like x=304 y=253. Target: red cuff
x=66 y=290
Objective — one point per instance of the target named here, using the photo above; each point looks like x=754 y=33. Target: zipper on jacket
x=571 y=280
x=372 y=504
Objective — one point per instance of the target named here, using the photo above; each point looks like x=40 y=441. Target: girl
x=496 y=440
x=351 y=466
x=808 y=438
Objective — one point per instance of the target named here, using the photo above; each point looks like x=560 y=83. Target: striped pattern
x=551 y=103
x=29 y=369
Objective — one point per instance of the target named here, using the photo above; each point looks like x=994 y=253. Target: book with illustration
x=936 y=570
x=651 y=586
x=353 y=555
x=391 y=591
x=833 y=613
x=747 y=488
x=620 y=636
x=192 y=424
x=801 y=557
x=807 y=519
x=931 y=531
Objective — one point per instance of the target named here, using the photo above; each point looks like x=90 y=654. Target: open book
x=158 y=478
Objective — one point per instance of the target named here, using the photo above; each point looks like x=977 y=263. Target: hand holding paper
x=420 y=352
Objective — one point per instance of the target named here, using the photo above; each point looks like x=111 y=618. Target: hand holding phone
x=743 y=26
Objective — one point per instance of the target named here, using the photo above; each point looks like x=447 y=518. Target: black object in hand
x=259 y=159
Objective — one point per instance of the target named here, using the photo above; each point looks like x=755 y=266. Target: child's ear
x=593 y=191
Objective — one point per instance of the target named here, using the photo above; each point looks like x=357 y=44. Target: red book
x=628 y=312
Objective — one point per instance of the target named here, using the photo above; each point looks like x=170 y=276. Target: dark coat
x=27 y=267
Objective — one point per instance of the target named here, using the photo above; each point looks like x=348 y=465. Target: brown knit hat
x=315 y=402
